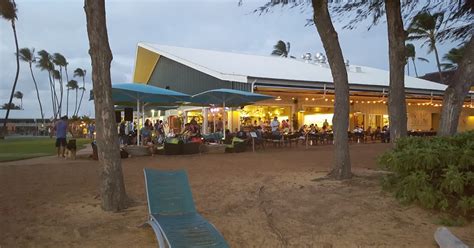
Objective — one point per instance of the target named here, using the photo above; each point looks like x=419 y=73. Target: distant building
x=27 y=126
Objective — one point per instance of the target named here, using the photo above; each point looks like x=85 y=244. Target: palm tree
x=410 y=53
x=425 y=26
x=281 y=49
x=60 y=60
x=19 y=95
x=71 y=85
x=45 y=64
x=8 y=12
x=454 y=57
x=28 y=56
x=80 y=73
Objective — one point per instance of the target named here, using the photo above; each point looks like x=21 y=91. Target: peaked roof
x=239 y=67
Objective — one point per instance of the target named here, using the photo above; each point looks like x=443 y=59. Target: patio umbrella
x=131 y=93
x=229 y=98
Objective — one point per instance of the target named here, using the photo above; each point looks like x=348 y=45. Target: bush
x=436 y=173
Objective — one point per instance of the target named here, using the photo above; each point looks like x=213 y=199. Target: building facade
x=302 y=88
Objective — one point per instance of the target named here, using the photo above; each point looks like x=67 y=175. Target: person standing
x=275 y=125
x=61 y=128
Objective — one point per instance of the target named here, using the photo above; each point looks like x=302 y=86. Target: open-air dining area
x=241 y=123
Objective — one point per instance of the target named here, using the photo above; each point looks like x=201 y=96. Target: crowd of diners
x=260 y=132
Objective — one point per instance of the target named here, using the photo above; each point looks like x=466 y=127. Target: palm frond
x=79 y=72
x=8 y=10
x=423 y=59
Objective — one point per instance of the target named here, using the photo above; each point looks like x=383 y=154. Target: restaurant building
x=303 y=89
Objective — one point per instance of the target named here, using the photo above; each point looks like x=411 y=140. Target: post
x=224 y=119
x=253 y=144
x=138 y=120
x=205 y=120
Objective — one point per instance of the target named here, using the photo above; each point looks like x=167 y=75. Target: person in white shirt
x=275 y=124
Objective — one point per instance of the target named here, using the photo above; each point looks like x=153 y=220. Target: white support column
x=205 y=122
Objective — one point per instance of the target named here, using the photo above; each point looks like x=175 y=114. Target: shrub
x=436 y=173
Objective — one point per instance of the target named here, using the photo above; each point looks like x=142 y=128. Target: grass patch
x=12 y=149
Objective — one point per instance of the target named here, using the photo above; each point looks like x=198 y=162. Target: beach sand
x=271 y=198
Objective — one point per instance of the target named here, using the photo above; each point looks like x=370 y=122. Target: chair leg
x=158 y=233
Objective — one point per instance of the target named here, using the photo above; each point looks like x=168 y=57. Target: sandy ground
x=263 y=199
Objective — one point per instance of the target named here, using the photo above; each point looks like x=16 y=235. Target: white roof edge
x=216 y=74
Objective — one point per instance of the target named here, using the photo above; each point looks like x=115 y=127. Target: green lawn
x=22 y=148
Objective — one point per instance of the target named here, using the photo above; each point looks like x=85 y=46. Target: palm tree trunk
x=112 y=187
x=37 y=94
x=75 y=107
x=67 y=102
x=438 y=64
x=82 y=94
x=61 y=90
x=65 y=70
x=456 y=93
x=396 y=43
x=329 y=38
x=408 y=67
x=14 y=82
x=414 y=66
x=54 y=98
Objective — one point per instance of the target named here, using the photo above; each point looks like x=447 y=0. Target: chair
x=173 y=215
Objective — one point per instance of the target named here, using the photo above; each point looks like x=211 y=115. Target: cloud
x=60 y=26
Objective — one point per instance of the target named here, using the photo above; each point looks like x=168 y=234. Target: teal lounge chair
x=173 y=216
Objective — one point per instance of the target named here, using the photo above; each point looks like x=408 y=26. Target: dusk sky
x=60 y=26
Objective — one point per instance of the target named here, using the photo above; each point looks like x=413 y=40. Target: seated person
x=146 y=135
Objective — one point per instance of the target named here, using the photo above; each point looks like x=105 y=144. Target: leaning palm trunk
x=438 y=63
x=75 y=107
x=396 y=42
x=37 y=93
x=61 y=90
x=322 y=19
x=456 y=93
x=82 y=94
x=67 y=102
x=414 y=66
x=14 y=82
x=112 y=187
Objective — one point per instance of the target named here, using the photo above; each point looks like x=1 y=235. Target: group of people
x=382 y=133
x=314 y=129
x=149 y=133
x=191 y=131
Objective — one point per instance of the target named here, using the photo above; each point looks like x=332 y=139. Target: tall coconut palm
x=281 y=49
x=60 y=61
x=45 y=64
x=410 y=54
x=453 y=58
x=79 y=72
x=28 y=55
x=426 y=26
x=19 y=95
x=8 y=11
x=71 y=85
